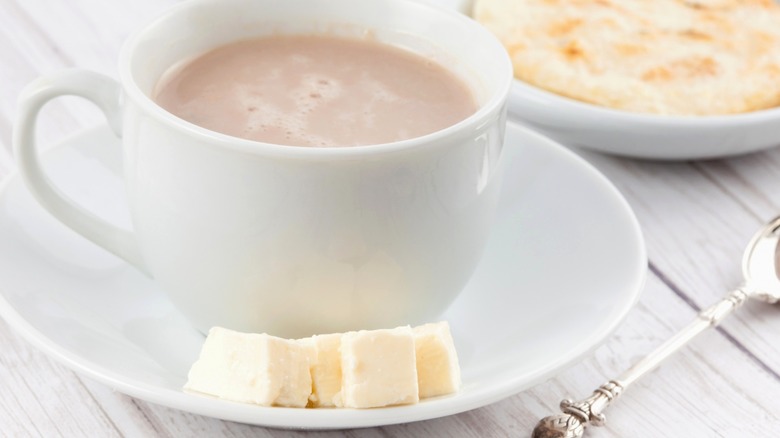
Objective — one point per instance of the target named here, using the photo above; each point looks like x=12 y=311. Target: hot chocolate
x=318 y=91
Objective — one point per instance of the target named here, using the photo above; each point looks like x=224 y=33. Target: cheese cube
x=378 y=368
x=252 y=368
x=438 y=372
x=325 y=367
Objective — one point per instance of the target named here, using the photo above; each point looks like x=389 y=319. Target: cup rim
x=496 y=101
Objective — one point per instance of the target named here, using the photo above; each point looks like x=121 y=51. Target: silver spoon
x=761 y=282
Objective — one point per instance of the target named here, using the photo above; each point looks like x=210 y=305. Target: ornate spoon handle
x=576 y=415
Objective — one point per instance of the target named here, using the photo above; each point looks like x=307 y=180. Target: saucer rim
x=323 y=419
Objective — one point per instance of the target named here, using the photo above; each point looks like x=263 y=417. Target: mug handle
x=104 y=92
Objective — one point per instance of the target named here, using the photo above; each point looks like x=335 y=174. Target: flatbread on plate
x=700 y=57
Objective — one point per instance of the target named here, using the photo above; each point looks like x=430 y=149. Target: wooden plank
x=29 y=53
x=6 y=162
x=707 y=390
x=698 y=219
x=40 y=398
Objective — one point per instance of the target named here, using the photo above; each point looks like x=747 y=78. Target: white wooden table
x=696 y=216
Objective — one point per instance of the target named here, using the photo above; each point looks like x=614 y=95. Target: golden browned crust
x=696 y=57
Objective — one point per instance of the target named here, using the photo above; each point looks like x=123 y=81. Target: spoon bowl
x=760 y=264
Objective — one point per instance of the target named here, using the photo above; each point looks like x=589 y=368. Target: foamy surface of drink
x=318 y=91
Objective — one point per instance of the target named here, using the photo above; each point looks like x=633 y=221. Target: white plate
x=631 y=134
x=565 y=263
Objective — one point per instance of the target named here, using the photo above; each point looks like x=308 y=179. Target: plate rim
x=585 y=125
x=323 y=419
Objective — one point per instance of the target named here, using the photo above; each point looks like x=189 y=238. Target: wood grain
x=696 y=217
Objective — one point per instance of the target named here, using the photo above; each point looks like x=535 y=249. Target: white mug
x=286 y=240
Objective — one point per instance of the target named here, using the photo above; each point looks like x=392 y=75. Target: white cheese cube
x=378 y=368
x=252 y=368
x=325 y=369
x=438 y=372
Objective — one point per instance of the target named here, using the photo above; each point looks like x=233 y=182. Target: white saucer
x=565 y=263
